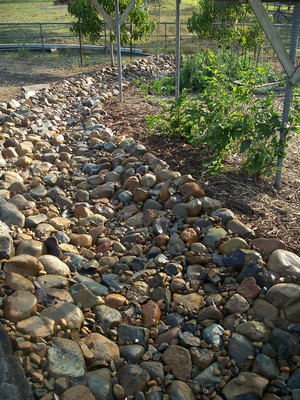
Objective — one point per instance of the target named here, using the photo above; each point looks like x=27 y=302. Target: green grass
x=32 y=11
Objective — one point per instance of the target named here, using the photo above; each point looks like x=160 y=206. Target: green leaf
x=245 y=145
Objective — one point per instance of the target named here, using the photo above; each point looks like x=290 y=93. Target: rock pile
x=119 y=277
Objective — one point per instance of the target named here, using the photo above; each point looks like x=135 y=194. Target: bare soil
x=269 y=212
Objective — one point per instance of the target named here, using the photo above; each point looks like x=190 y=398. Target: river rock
x=65 y=359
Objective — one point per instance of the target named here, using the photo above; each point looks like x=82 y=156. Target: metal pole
x=287 y=97
x=119 y=50
x=177 y=78
x=42 y=38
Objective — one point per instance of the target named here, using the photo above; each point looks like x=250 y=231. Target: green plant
x=224 y=118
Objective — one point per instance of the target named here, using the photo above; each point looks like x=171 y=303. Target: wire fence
x=162 y=40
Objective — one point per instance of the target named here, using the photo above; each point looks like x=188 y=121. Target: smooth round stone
x=125 y=197
x=294 y=380
x=132 y=353
x=32 y=247
x=38 y=193
x=283 y=294
x=43 y=231
x=209 y=205
x=248 y=288
x=213 y=334
x=245 y=382
x=21 y=202
x=264 y=310
x=11 y=216
x=167 y=175
x=107 y=317
x=211 y=313
x=192 y=301
x=208 y=378
x=179 y=360
x=104 y=350
x=212 y=237
x=19 y=305
x=284 y=341
x=224 y=214
x=151 y=314
x=148 y=180
x=115 y=300
x=154 y=368
x=103 y=191
x=231 y=245
x=18 y=282
x=237 y=304
x=240 y=229
x=65 y=359
x=82 y=195
x=176 y=246
x=194 y=207
x=180 y=210
x=96 y=288
x=33 y=221
x=50 y=179
x=81 y=240
x=83 y=296
x=241 y=350
x=255 y=331
x=36 y=326
x=191 y=189
x=7 y=248
x=267 y=245
x=130 y=334
x=202 y=358
x=24 y=265
x=60 y=223
x=100 y=383
x=161 y=225
x=179 y=390
x=53 y=265
x=265 y=366
x=52 y=281
x=284 y=263
x=78 y=392
x=49 y=296
x=70 y=312
x=152 y=204
x=133 y=379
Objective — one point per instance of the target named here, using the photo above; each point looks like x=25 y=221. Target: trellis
x=287 y=61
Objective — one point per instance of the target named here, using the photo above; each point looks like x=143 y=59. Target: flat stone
x=179 y=360
x=133 y=379
x=53 y=265
x=78 y=392
x=19 y=305
x=213 y=236
x=237 y=303
x=103 y=349
x=24 y=265
x=107 y=317
x=31 y=247
x=65 y=359
x=18 y=282
x=37 y=326
x=255 y=331
x=7 y=249
x=267 y=245
x=70 y=312
x=179 y=390
x=82 y=295
x=192 y=302
x=245 y=382
x=284 y=263
x=100 y=383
